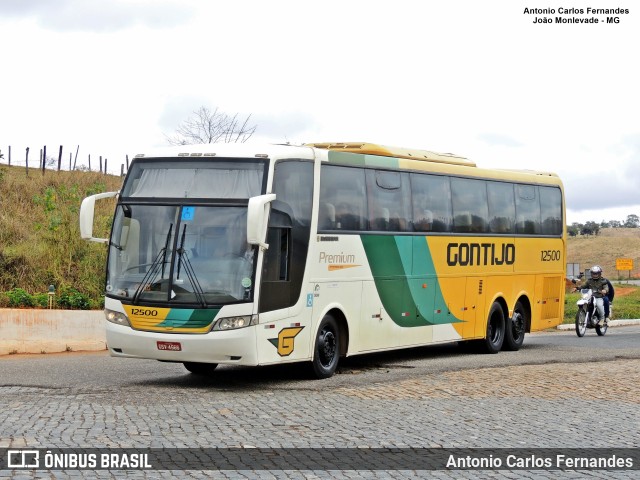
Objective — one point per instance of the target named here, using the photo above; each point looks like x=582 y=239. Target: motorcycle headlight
x=118 y=318
x=232 y=323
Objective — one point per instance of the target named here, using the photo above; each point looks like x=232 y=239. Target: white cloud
x=103 y=16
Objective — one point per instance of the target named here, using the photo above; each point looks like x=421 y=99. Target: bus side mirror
x=257 y=215
x=86 y=216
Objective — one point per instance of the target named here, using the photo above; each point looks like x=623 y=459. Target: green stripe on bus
x=361 y=160
x=401 y=267
x=189 y=318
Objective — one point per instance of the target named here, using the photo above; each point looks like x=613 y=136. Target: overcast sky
x=476 y=78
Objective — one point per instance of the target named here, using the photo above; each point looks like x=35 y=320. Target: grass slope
x=604 y=248
x=40 y=241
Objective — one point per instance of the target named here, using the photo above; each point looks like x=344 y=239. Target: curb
x=612 y=323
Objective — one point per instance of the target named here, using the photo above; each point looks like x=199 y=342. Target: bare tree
x=206 y=126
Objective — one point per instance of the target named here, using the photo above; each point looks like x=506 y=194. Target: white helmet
x=596 y=271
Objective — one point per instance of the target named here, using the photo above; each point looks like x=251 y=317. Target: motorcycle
x=588 y=315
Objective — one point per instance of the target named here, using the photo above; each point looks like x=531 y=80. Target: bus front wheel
x=495 y=329
x=200 y=368
x=326 y=352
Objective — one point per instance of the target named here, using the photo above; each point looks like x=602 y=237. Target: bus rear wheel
x=200 y=368
x=495 y=330
x=516 y=328
x=326 y=351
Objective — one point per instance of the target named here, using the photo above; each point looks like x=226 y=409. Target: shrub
x=72 y=299
x=41 y=300
x=20 y=298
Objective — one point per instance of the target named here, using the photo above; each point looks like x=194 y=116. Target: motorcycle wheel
x=602 y=329
x=581 y=323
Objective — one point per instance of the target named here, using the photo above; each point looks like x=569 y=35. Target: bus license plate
x=173 y=346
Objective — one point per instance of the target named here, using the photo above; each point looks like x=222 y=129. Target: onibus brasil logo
x=284 y=343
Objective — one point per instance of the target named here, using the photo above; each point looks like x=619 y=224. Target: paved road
x=558 y=391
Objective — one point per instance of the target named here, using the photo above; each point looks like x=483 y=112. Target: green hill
x=40 y=241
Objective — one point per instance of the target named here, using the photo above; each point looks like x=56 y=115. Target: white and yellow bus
x=256 y=255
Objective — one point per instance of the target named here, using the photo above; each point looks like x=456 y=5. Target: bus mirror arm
x=257 y=216
x=86 y=216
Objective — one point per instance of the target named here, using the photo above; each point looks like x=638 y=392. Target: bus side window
x=423 y=221
x=345 y=218
x=276 y=259
x=380 y=219
x=551 y=210
x=470 y=206
x=326 y=216
x=462 y=222
x=431 y=199
x=527 y=210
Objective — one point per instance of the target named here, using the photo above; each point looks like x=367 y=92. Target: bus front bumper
x=237 y=347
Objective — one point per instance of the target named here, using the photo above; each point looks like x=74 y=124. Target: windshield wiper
x=191 y=274
x=166 y=247
x=157 y=265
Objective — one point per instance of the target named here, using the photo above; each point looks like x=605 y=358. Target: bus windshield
x=180 y=254
x=180 y=232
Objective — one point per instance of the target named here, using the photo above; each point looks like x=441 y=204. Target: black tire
x=200 y=368
x=581 y=322
x=602 y=329
x=495 y=330
x=516 y=328
x=326 y=350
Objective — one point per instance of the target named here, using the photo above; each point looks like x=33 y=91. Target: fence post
x=89 y=162
x=60 y=158
x=122 y=169
x=26 y=161
x=44 y=158
x=74 y=161
x=105 y=166
x=100 y=163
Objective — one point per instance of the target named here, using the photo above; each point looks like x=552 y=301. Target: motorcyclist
x=600 y=288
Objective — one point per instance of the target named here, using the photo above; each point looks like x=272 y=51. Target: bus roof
x=397 y=152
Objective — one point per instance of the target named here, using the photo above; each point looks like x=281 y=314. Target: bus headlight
x=231 y=323
x=118 y=318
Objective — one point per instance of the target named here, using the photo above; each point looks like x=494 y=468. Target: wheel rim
x=326 y=347
x=582 y=322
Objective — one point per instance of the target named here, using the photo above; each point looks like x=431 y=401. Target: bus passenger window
x=389 y=198
x=527 y=210
x=431 y=199
x=326 y=216
x=470 y=206
x=343 y=187
x=345 y=219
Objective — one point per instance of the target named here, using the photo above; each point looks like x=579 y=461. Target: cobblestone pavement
x=560 y=405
